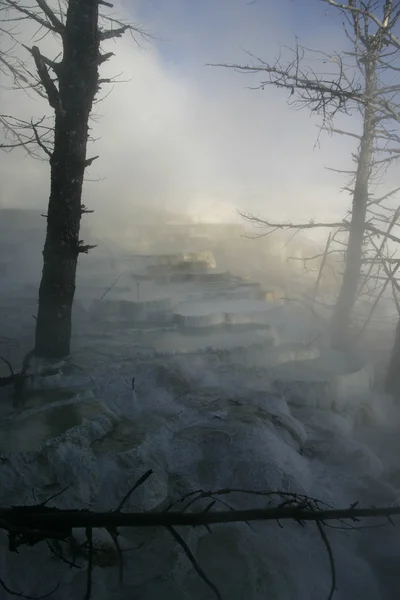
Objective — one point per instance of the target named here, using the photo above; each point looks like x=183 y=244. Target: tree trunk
x=340 y=324
x=392 y=381
x=78 y=80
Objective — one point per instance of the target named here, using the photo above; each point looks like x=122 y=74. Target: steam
x=193 y=139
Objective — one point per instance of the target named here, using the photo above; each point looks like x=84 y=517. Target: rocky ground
x=235 y=405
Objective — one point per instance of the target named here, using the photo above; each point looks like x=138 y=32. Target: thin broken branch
x=193 y=561
x=47 y=82
x=31 y=14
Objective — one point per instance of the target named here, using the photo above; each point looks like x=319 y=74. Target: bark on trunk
x=78 y=79
x=340 y=325
x=392 y=382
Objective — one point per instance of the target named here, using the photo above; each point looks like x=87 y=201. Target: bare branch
x=113 y=33
x=26 y=596
x=276 y=226
x=89 y=161
x=272 y=227
x=326 y=95
x=47 y=82
x=315 y=256
x=321 y=268
x=193 y=561
x=31 y=14
x=379 y=251
x=6 y=362
x=383 y=25
x=58 y=26
x=16 y=130
x=388 y=279
x=39 y=141
x=331 y=559
x=138 y=483
x=342 y=171
x=50 y=63
x=342 y=132
x=104 y=57
x=120 y=30
x=388 y=195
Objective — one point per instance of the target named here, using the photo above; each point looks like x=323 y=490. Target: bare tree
x=360 y=80
x=33 y=524
x=70 y=86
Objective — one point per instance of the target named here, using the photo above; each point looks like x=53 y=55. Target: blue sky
x=179 y=22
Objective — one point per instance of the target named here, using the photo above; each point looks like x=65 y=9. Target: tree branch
x=384 y=27
x=320 y=93
x=312 y=225
x=89 y=161
x=48 y=84
x=39 y=141
x=55 y=520
x=34 y=16
x=275 y=226
x=342 y=132
x=113 y=33
x=379 y=200
x=108 y=34
x=47 y=61
x=55 y=21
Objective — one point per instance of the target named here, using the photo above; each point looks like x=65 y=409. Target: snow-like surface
x=221 y=307
x=206 y=413
x=203 y=429
x=216 y=312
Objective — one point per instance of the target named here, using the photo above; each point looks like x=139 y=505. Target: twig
x=321 y=269
x=89 y=537
x=382 y=245
x=21 y=595
x=110 y=287
x=54 y=496
x=39 y=141
x=193 y=561
x=139 y=482
x=5 y=361
x=19 y=390
x=61 y=557
x=114 y=536
x=331 y=558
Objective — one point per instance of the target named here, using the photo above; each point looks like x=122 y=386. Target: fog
x=200 y=346
x=194 y=138
x=184 y=136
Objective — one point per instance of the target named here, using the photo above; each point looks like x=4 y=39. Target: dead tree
x=70 y=86
x=392 y=381
x=356 y=83
x=32 y=525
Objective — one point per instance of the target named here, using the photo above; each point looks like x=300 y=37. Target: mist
x=191 y=137
x=201 y=377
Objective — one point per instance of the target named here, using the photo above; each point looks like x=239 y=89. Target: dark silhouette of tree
x=70 y=85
